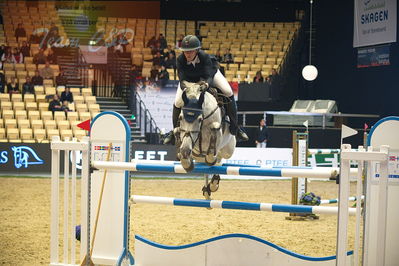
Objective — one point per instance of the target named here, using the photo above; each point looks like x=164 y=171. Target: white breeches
x=219 y=81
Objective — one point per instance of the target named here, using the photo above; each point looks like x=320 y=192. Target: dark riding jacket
x=204 y=70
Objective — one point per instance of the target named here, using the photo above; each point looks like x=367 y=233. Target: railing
x=324 y=116
x=144 y=120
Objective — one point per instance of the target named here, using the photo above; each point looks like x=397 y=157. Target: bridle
x=190 y=133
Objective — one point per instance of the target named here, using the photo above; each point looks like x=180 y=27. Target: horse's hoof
x=214 y=184
x=206 y=192
x=188 y=167
x=210 y=163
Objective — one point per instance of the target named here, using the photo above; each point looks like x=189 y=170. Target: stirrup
x=169 y=138
x=241 y=135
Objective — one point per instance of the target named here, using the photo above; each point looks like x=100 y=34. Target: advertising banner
x=94 y=54
x=159 y=99
x=375 y=22
x=373 y=56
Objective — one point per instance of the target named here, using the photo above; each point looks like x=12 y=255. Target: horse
x=203 y=133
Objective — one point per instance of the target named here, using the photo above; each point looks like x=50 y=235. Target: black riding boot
x=170 y=137
x=231 y=109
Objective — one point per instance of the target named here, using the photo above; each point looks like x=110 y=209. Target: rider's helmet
x=190 y=43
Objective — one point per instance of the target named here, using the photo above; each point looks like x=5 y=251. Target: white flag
x=306 y=123
x=347 y=132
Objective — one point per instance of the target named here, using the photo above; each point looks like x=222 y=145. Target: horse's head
x=191 y=117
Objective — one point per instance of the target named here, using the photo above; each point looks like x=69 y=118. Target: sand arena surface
x=25 y=217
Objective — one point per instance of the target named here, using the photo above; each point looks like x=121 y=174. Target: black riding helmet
x=190 y=43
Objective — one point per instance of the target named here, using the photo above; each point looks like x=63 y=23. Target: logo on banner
x=105 y=148
x=24 y=156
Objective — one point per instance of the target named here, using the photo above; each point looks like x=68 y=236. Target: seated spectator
x=53 y=29
x=47 y=72
x=218 y=56
x=179 y=41
x=154 y=72
x=27 y=87
x=17 y=56
x=258 y=77
x=2 y=82
x=61 y=80
x=55 y=104
x=20 y=31
x=156 y=49
x=13 y=86
x=40 y=57
x=67 y=95
x=25 y=49
x=65 y=106
x=163 y=76
x=51 y=57
x=2 y=50
x=169 y=51
x=162 y=41
x=151 y=42
x=157 y=59
x=170 y=61
x=228 y=57
x=7 y=56
x=37 y=80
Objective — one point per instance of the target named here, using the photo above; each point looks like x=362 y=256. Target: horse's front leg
x=185 y=153
x=210 y=157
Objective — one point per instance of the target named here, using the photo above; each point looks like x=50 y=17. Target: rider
x=194 y=65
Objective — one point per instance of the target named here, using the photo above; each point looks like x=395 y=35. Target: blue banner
x=373 y=56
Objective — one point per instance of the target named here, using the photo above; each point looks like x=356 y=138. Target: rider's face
x=190 y=55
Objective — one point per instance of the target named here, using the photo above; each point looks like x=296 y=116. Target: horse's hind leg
x=214 y=184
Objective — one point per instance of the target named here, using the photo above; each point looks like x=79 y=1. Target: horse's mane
x=192 y=89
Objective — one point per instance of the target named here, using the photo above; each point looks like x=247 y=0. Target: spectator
x=7 y=56
x=47 y=72
x=258 y=77
x=40 y=57
x=53 y=29
x=134 y=74
x=179 y=41
x=20 y=31
x=228 y=57
x=170 y=61
x=261 y=135
x=25 y=49
x=55 y=104
x=275 y=84
x=157 y=59
x=154 y=72
x=163 y=76
x=17 y=56
x=2 y=50
x=13 y=86
x=65 y=106
x=152 y=42
x=218 y=56
x=170 y=51
x=51 y=57
x=27 y=87
x=2 y=82
x=162 y=41
x=61 y=80
x=37 y=80
x=67 y=95
x=156 y=49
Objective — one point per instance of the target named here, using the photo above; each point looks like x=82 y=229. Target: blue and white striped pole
x=307 y=172
x=236 y=205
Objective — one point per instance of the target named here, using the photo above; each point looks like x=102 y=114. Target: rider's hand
x=203 y=85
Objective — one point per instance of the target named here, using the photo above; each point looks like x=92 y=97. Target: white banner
x=94 y=54
x=264 y=157
x=375 y=22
